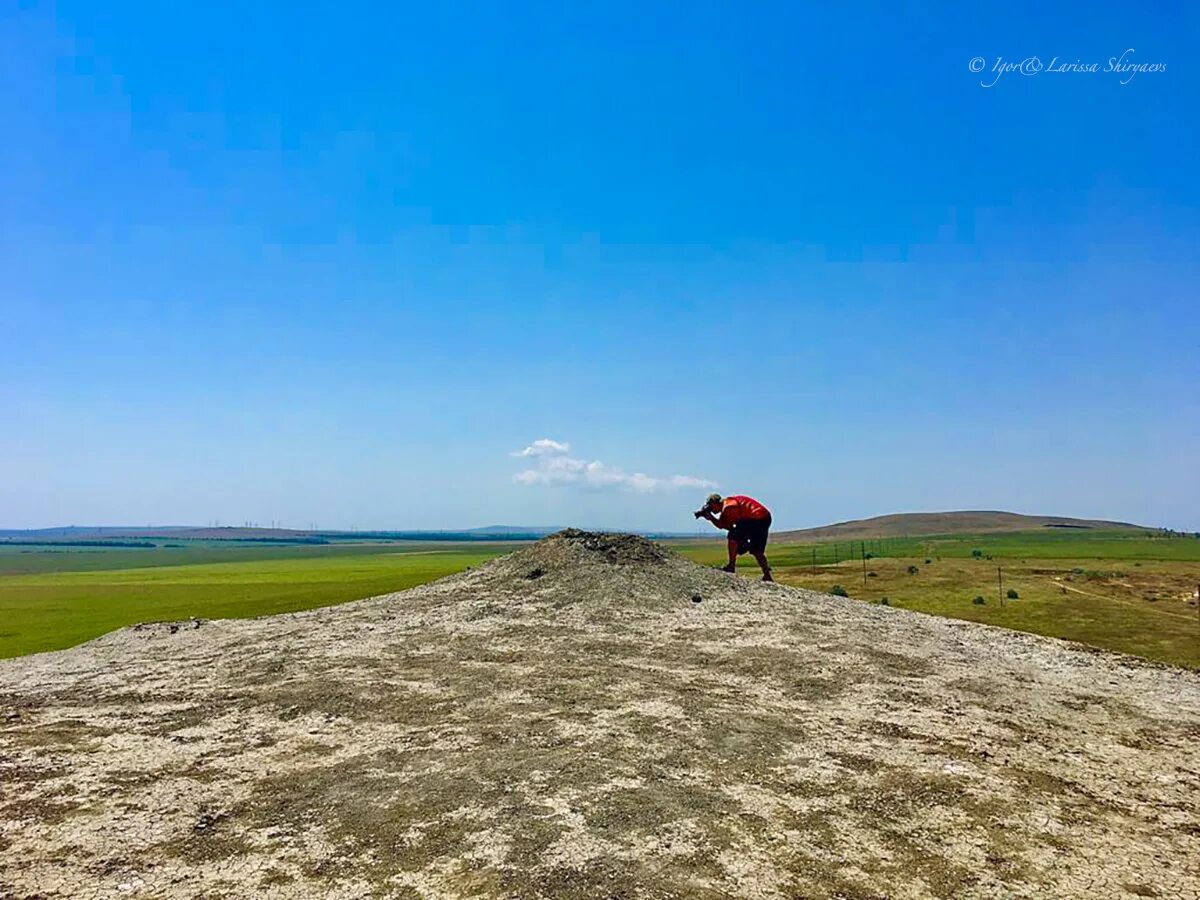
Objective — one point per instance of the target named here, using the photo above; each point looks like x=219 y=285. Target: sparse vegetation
x=913 y=570
x=1012 y=594
x=838 y=591
x=979 y=600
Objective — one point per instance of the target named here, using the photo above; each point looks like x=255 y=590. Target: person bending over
x=748 y=523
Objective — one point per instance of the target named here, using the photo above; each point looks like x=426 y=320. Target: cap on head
x=713 y=500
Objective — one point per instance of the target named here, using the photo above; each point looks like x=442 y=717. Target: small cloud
x=554 y=466
x=543 y=447
x=687 y=481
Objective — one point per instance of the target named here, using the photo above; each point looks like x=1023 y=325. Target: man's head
x=713 y=502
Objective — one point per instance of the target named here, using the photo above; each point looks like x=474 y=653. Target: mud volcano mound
x=569 y=721
x=573 y=546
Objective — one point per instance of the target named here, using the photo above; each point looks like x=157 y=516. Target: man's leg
x=733 y=555
x=761 y=558
x=759 y=548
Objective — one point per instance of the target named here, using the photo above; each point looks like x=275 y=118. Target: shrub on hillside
x=838 y=591
x=977 y=554
x=1012 y=594
x=979 y=601
x=913 y=570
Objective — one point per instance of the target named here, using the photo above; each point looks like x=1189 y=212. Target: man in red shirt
x=747 y=522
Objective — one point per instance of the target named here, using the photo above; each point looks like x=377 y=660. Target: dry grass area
x=594 y=717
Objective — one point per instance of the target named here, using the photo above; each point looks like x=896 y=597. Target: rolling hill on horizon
x=951 y=522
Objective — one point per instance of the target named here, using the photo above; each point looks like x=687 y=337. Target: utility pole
x=1000 y=584
x=862 y=550
x=814 y=560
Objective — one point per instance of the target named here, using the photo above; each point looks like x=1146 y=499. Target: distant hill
x=253 y=533
x=958 y=522
x=91 y=531
x=107 y=534
x=505 y=530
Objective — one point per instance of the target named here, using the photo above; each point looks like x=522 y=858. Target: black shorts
x=751 y=535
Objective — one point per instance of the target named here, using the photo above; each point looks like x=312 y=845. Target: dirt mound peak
x=618 y=549
x=610 y=547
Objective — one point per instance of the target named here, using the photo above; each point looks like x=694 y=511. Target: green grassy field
x=1118 y=590
x=53 y=609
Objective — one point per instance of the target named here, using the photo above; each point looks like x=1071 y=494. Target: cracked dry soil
x=568 y=721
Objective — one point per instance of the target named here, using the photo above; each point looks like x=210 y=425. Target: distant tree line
x=1170 y=532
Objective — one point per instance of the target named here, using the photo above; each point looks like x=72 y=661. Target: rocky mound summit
x=595 y=717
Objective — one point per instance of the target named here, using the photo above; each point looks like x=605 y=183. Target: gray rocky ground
x=569 y=721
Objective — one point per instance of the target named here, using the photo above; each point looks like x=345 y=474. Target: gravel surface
x=595 y=717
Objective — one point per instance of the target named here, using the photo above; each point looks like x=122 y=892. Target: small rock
x=696 y=598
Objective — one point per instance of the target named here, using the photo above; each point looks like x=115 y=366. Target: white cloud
x=543 y=447
x=554 y=466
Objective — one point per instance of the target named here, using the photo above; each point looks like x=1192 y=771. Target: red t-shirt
x=738 y=508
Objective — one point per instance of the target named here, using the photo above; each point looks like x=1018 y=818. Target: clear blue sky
x=339 y=263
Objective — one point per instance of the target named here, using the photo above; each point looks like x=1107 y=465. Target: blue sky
x=342 y=264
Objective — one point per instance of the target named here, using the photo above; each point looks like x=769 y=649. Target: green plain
x=57 y=609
